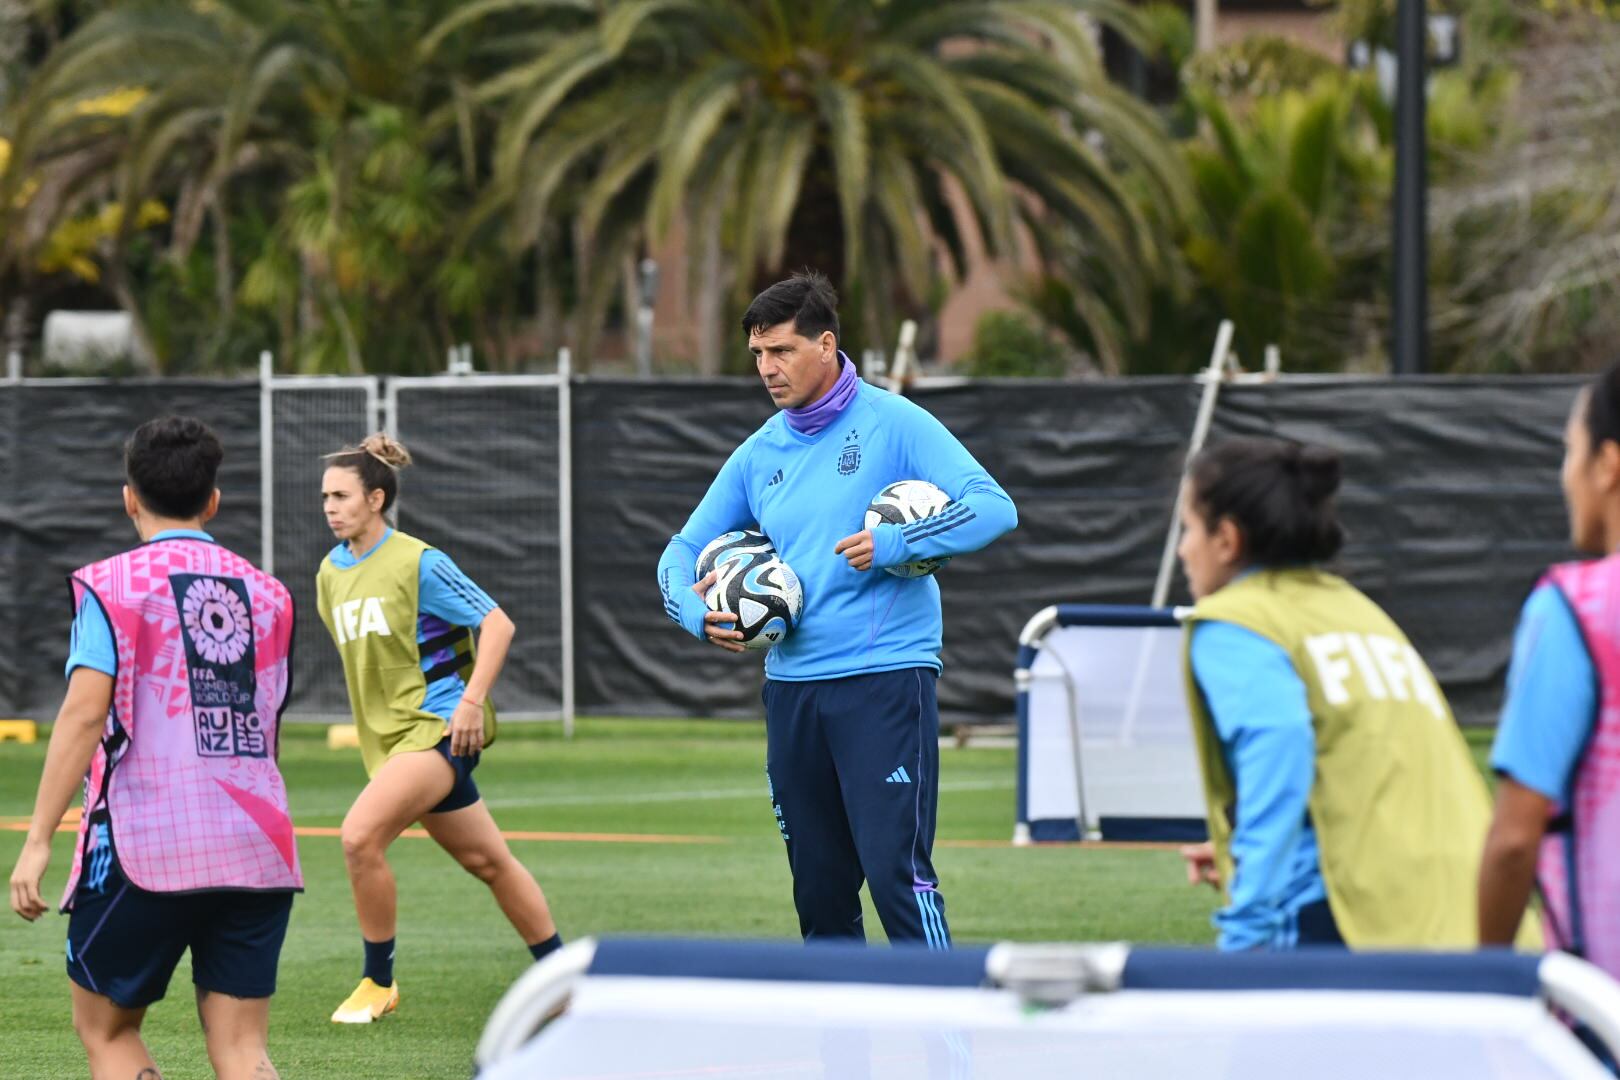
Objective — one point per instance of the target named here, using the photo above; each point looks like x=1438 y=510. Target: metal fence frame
x=382 y=402
x=560 y=382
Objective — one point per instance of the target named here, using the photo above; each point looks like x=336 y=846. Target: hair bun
x=386 y=450
x=1320 y=470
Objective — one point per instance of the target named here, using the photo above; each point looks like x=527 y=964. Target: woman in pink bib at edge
x=177 y=677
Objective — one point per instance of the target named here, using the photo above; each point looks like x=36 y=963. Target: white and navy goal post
x=1105 y=745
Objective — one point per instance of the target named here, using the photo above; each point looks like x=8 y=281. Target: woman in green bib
x=403 y=617
x=1343 y=805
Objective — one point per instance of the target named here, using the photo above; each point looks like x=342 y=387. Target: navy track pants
x=853 y=766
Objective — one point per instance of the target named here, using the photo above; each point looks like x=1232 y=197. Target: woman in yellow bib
x=1343 y=805
x=403 y=617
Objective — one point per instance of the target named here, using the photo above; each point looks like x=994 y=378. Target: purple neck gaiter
x=812 y=418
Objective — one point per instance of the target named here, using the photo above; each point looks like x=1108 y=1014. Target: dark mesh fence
x=64 y=507
x=484 y=490
x=1451 y=501
x=307 y=422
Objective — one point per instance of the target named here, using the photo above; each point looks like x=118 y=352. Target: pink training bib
x=186 y=772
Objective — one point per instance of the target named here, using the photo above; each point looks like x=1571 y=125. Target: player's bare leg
x=472 y=838
x=403 y=790
x=112 y=1038
x=237 y=1031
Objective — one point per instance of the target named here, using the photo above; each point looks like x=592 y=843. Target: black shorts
x=465 y=791
x=123 y=942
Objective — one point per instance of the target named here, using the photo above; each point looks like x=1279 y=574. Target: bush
x=1006 y=343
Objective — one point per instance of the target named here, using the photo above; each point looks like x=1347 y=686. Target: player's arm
x=980 y=510
x=78 y=729
x=446 y=593
x=723 y=507
x=1550 y=708
x=1263 y=718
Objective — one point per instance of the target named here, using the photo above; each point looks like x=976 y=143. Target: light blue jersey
x=807 y=492
x=1551 y=698
x=446 y=598
x=90 y=643
x=1263 y=720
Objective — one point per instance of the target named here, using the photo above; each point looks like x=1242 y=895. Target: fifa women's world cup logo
x=217 y=629
x=217 y=621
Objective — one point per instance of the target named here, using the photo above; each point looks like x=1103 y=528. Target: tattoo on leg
x=265 y=1071
x=148 y=1073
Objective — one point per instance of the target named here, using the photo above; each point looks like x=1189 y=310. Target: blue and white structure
x=652 y=1009
x=1105 y=746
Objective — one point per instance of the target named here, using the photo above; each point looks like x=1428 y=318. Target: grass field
x=700 y=781
x=694 y=780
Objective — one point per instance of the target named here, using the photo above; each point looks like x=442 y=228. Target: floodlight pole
x=1410 y=352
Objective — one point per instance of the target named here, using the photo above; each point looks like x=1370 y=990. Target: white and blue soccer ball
x=906 y=502
x=754 y=585
x=738 y=545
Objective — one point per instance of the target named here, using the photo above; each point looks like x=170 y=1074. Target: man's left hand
x=857 y=549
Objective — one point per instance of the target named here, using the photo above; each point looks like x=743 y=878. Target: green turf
x=456 y=953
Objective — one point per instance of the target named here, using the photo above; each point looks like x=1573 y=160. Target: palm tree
x=1275 y=186
x=315 y=116
x=863 y=135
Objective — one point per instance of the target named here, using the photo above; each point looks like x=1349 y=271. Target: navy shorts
x=123 y=942
x=465 y=790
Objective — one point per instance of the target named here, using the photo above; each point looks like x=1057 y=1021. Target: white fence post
x=267 y=463
x=1206 y=415
x=565 y=530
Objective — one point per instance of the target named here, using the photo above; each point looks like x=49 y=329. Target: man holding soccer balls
x=840 y=482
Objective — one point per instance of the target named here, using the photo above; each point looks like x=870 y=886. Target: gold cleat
x=368 y=1002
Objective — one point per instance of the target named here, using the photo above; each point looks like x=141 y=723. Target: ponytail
x=1279 y=493
x=378 y=460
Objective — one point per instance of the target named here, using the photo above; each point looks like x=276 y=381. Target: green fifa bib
x=371 y=610
x=1399 y=808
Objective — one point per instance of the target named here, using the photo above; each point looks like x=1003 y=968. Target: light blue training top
x=1263 y=721
x=90 y=642
x=1552 y=698
x=806 y=493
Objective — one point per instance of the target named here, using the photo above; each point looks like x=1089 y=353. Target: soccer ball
x=902 y=503
x=737 y=545
x=754 y=585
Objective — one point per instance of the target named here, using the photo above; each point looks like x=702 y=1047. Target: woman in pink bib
x=1557 y=751
x=176 y=682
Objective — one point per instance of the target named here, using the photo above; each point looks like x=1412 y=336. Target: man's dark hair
x=806 y=299
x=171 y=463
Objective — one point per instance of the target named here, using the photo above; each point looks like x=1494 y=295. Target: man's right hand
x=718 y=625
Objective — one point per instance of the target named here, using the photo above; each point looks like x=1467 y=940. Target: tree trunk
x=585 y=328
x=146 y=355
x=309 y=314
x=18 y=313
x=351 y=343
x=711 y=293
x=224 y=276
